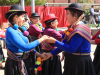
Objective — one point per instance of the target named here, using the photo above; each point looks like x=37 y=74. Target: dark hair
x=25 y=20
x=12 y=16
x=11 y=21
x=49 y=22
x=92 y=6
x=74 y=11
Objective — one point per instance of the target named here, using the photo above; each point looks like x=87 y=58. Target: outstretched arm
x=17 y=40
x=96 y=41
x=71 y=47
x=94 y=37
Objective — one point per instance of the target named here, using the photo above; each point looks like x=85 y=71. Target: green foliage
x=40 y=2
x=86 y=12
x=37 y=2
x=27 y=2
x=9 y=2
x=84 y=1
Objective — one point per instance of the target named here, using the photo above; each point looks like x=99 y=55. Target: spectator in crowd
x=92 y=16
x=25 y=25
x=35 y=19
x=35 y=29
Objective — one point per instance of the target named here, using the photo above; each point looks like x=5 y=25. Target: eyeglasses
x=36 y=18
x=56 y=21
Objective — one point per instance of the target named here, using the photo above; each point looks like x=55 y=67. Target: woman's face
x=70 y=18
x=35 y=20
x=19 y=19
x=54 y=24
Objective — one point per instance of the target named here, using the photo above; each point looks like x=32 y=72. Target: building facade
x=72 y=1
x=97 y=1
x=61 y=1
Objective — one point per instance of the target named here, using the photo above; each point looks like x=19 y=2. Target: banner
x=59 y=11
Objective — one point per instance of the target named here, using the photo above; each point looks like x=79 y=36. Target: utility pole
x=32 y=6
x=22 y=4
x=68 y=1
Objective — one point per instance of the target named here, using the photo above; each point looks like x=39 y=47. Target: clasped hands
x=46 y=56
x=48 y=39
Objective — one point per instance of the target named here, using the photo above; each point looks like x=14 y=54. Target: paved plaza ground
x=93 y=46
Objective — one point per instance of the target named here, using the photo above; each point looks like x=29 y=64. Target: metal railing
x=66 y=4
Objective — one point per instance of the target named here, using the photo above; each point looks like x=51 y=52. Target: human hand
x=51 y=40
x=92 y=42
x=48 y=55
x=42 y=56
x=44 y=37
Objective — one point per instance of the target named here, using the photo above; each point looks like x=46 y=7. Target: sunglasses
x=36 y=18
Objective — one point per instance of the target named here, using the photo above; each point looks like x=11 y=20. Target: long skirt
x=11 y=67
x=32 y=58
x=51 y=66
x=38 y=48
x=78 y=65
x=96 y=61
x=2 y=59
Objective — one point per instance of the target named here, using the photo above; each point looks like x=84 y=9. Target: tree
x=9 y=2
x=40 y=2
x=27 y=2
x=85 y=1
